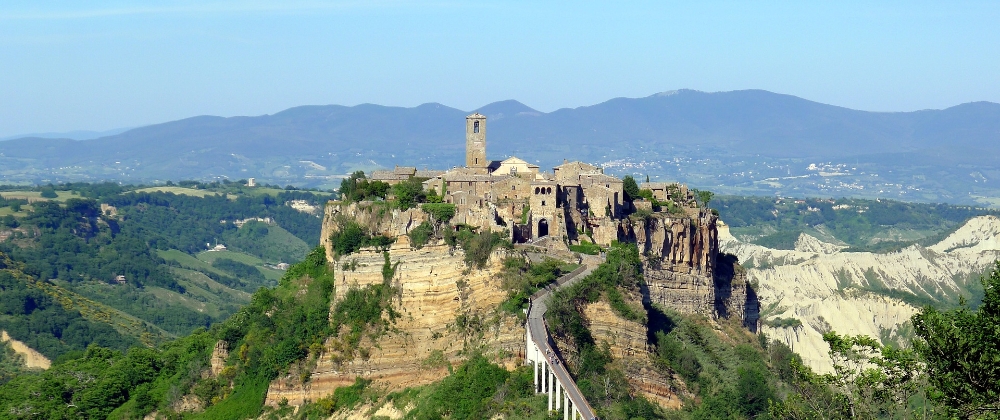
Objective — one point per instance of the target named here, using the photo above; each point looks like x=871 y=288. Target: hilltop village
x=578 y=203
x=573 y=200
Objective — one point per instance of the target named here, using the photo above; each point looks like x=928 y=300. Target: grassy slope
x=61 y=196
x=124 y=323
x=179 y=190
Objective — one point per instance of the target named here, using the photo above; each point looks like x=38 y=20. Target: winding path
x=550 y=374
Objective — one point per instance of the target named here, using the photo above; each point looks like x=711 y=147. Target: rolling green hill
x=133 y=259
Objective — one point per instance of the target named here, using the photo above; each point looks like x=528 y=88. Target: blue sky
x=100 y=65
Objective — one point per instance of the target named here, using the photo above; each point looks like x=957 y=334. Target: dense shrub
x=586 y=248
x=420 y=235
x=440 y=212
x=351 y=236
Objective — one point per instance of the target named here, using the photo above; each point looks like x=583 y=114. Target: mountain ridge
x=734 y=125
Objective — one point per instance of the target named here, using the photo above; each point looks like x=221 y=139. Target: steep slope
x=817 y=288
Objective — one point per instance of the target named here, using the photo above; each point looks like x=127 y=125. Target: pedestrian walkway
x=550 y=374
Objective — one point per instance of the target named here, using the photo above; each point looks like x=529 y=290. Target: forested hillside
x=84 y=252
x=860 y=225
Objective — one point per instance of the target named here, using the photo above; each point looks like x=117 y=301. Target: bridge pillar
x=534 y=369
x=566 y=409
x=559 y=394
x=552 y=391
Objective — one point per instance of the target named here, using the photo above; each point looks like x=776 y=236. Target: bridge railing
x=573 y=392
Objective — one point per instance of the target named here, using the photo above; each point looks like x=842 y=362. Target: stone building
x=515 y=195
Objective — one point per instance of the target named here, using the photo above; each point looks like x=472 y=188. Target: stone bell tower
x=475 y=143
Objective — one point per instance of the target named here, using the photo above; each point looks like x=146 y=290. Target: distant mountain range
x=339 y=139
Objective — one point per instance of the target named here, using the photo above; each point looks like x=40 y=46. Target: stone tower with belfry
x=475 y=144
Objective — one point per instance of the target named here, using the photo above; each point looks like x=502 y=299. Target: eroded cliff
x=445 y=311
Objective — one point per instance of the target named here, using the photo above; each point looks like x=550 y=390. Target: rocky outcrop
x=434 y=289
x=219 y=355
x=627 y=343
x=681 y=269
x=378 y=217
x=735 y=297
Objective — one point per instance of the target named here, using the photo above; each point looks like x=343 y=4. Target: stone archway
x=543 y=228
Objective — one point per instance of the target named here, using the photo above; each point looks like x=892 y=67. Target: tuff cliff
x=628 y=343
x=445 y=309
x=683 y=268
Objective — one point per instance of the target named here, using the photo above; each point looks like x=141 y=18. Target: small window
x=536 y=190
x=543 y=202
x=475 y=127
x=513 y=187
x=477 y=161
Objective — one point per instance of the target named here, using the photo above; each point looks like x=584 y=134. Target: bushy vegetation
x=245 y=272
x=421 y=234
x=12 y=363
x=603 y=384
x=585 y=247
x=521 y=279
x=409 y=193
x=358 y=187
x=477 y=246
x=960 y=349
x=476 y=389
x=439 y=212
x=35 y=318
x=350 y=236
x=107 y=383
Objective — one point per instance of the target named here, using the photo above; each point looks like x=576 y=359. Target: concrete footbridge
x=551 y=375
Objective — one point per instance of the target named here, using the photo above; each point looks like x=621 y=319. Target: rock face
x=434 y=289
x=827 y=289
x=627 y=342
x=682 y=268
x=377 y=217
x=446 y=308
x=219 y=355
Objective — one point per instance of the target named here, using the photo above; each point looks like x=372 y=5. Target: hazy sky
x=99 y=65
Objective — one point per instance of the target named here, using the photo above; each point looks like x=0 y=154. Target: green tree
x=408 y=193
x=962 y=350
x=49 y=192
x=631 y=187
x=876 y=379
x=703 y=196
x=349 y=185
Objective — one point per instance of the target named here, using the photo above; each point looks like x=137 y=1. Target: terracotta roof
x=469 y=178
x=404 y=170
x=427 y=173
x=578 y=164
x=388 y=176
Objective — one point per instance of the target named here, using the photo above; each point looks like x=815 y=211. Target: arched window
x=513 y=187
x=548 y=190
x=536 y=190
x=475 y=127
